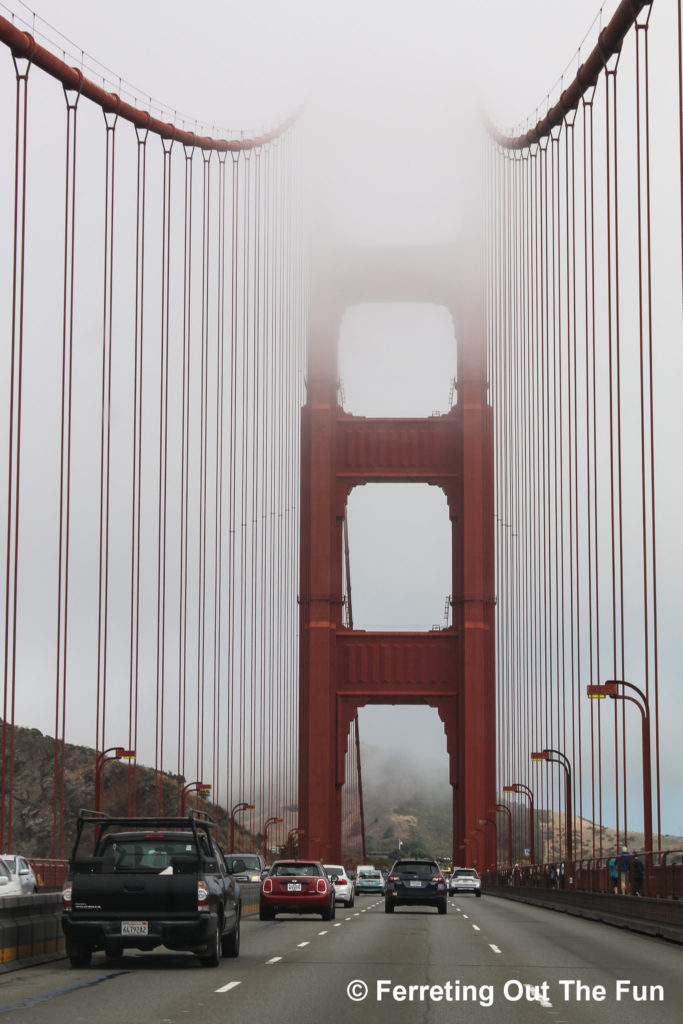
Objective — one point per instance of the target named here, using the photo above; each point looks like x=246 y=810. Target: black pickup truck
x=148 y=882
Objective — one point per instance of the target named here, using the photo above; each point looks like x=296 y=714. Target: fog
x=390 y=95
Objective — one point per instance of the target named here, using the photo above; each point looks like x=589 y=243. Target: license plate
x=134 y=928
x=294 y=887
x=416 y=885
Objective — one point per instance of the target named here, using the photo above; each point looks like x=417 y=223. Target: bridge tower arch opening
x=342 y=669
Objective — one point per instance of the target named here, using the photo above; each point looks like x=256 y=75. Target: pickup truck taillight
x=66 y=894
x=202 y=895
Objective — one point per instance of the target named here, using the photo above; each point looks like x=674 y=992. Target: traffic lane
x=301 y=969
x=593 y=972
x=157 y=984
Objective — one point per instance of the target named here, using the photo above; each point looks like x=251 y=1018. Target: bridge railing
x=661 y=876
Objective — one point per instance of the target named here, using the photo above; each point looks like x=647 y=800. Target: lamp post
x=505 y=810
x=520 y=787
x=115 y=754
x=243 y=805
x=192 y=787
x=293 y=835
x=557 y=757
x=270 y=821
x=490 y=821
x=612 y=689
x=467 y=844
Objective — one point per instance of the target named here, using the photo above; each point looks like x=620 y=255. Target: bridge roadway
x=298 y=969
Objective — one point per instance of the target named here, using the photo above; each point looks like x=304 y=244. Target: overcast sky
x=393 y=65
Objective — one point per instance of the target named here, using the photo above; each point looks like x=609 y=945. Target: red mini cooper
x=296 y=887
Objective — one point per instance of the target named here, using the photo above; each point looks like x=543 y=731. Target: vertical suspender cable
x=105 y=436
x=22 y=67
x=134 y=653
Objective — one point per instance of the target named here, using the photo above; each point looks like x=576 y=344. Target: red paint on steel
x=24 y=45
x=608 y=45
x=342 y=669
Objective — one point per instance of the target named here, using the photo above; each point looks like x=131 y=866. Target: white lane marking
x=466 y=917
x=476 y=927
x=338 y=924
x=356 y=914
x=302 y=943
x=323 y=933
x=274 y=960
x=494 y=948
x=226 y=988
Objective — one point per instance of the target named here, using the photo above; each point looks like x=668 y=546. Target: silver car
x=22 y=873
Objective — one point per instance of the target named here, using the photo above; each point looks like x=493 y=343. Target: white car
x=343 y=886
x=465 y=880
x=9 y=885
x=22 y=872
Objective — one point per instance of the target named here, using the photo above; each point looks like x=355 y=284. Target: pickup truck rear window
x=153 y=854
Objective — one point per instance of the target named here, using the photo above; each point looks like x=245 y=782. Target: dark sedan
x=296 y=887
x=416 y=882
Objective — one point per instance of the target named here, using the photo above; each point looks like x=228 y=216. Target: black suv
x=152 y=882
x=416 y=881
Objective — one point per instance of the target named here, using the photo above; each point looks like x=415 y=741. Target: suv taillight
x=321 y=885
x=437 y=878
x=394 y=878
x=268 y=885
x=202 y=895
x=67 y=890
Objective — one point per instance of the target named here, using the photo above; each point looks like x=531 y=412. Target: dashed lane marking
x=337 y=925
x=476 y=927
x=226 y=988
x=494 y=948
x=274 y=960
x=323 y=933
x=302 y=944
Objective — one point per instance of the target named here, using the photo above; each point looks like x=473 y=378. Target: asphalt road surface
x=488 y=960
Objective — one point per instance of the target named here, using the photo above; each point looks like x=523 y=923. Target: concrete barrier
x=30 y=930
x=31 y=927
x=663 y=918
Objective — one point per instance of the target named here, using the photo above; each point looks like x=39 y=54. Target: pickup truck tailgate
x=132 y=892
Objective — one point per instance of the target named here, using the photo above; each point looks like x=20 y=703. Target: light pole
x=241 y=806
x=505 y=810
x=557 y=757
x=611 y=689
x=270 y=821
x=192 y=787
x=293 y=835
x=116 y=754
x=520 y=787
x=490 y=821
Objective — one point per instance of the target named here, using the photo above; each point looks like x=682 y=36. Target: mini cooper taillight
x=321 y=885
x=267 y=885
x=202 y=895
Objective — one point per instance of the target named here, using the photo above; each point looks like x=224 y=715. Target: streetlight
x=520 y=787
x=557 y=757
x=192 y=787
x=506 y=810
x=490 y=821
x=611 y=689
x=293 y=836
x=270 y=821
x=241 y=806
x=117 y=754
